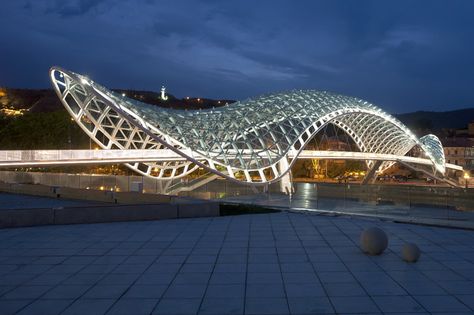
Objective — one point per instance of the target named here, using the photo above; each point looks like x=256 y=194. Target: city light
x=13 y=112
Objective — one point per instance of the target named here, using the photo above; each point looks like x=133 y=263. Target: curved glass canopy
x=253 y=137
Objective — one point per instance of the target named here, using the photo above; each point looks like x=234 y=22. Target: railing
x=393 y=200
x=84 y=181
x=436 y=205
x=18 y=158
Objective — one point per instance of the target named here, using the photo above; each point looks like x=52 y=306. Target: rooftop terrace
x=281 y=263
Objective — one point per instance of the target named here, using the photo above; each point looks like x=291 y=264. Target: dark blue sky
x=400 y=55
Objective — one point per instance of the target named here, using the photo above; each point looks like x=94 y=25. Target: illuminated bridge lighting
x=255 y=141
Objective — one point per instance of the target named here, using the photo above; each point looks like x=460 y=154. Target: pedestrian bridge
x=255 y=141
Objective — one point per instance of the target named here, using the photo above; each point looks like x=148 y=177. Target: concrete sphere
x=373 y=241
x=410 y=252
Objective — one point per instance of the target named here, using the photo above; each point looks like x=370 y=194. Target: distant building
x=459 y=149
x=466 y=132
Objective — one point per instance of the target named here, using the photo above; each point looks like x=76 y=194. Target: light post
x=466 y=179
x=69 y=140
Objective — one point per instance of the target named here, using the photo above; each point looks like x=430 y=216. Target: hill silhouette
x=45 y=100
x=43 y=113
x=436 y=121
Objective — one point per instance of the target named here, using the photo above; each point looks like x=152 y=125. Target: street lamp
x=466 y=179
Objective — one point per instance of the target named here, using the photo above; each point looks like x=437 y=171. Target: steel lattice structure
x=247 y=141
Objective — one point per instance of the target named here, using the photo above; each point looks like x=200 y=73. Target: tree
x=50 y=130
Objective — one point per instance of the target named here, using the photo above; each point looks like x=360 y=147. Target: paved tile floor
x=280 y=263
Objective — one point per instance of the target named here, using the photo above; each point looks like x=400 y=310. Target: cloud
x=400 y=54
x=73 y=8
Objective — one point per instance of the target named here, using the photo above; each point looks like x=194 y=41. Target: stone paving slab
x=279 y=263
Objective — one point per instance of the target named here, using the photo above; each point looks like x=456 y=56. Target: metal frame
x=248 y=138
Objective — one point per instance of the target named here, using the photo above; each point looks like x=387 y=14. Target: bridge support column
x=370 y=173
x=286 y=184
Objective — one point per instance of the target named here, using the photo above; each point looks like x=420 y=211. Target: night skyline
x=402 y=56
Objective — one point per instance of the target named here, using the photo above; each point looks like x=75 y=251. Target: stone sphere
x=373 y=241
x=410 y=252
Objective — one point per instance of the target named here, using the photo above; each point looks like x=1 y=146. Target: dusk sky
x=401 y=55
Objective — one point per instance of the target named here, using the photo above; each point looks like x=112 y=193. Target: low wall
x=107 y=213
x=85 y=194
x=111 y=207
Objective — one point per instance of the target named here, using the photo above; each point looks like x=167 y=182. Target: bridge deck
x=23 y=158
